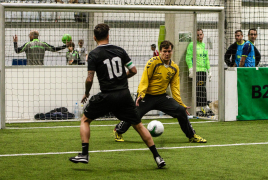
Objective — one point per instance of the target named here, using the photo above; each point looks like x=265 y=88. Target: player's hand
x=71 y=62
x=209 y=75
x=84 y=99
x=187 y=111
x=15 y=38
x=138 y=101
x=191 y=74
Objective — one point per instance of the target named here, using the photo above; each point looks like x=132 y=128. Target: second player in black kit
x=109 y=62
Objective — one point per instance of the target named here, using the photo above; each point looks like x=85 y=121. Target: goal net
x=33 y=89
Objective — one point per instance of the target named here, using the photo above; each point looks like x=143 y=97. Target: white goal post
x=99 y=8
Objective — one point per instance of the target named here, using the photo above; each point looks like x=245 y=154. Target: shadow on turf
x=80 y=169
x=120 y=169
x=162 y=141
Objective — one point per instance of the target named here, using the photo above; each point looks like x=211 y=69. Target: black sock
x=85 y=148
x=154 y=151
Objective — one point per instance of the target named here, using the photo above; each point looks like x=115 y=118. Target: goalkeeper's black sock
x=85 y=148
x=154 y=151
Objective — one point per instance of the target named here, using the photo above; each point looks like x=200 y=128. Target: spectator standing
x=153 y=48
x=248 y=54
x=72 y=56
x=234 y=52
x=202 y=69
x=35 y=49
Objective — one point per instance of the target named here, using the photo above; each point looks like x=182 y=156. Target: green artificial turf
x=230 y=153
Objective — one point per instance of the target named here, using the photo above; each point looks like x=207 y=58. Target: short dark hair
x=81 y=40
x=101 y=31
x=165 y=44
x=200 y=30
x=153 y=45
x=71 y=44
x=237 y=31
x=252 y=29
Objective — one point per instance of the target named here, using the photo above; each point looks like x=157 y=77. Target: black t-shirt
x=108 y=61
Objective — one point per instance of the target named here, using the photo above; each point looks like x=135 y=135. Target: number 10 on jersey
x=115 y=67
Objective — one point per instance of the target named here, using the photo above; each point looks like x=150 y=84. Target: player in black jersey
x=109 y=62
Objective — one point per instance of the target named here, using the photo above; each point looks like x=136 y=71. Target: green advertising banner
x=252 y=91
x=162 y=35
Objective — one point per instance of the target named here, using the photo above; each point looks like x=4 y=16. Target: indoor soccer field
x=235 y=150
x=40 y=109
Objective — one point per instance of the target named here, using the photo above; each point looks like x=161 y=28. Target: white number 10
x=116 y=67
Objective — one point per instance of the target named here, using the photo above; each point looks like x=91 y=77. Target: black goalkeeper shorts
x=120 y=103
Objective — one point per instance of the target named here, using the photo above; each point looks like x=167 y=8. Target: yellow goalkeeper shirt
x=157 y=76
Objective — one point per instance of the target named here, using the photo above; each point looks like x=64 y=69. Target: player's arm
x=90 y=75
x=51 y=48
x=146 y=76
x=246 y=51
x=228 y=55
x=88 y=85
x=207 y=60
x=128 y=64
x=258 y=56
x=16 y=48
x=131 y=69
x=19 y=49
x=175 y=88
x=89 y=81
x=242 y=61
x=208 y=65
x=86 y=55
x=71 y=62
x=189 y=55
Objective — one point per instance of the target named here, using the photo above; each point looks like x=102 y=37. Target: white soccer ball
x=156 y=128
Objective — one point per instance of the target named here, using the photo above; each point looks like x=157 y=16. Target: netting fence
x=34 y=89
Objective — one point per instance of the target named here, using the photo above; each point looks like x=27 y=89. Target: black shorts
x=120 y=103
x=162 y=103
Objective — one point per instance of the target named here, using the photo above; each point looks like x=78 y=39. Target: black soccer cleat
x=160 y=162
x=79 y=158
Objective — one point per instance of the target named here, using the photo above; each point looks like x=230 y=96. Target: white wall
x=231 y=98
x=38 y=90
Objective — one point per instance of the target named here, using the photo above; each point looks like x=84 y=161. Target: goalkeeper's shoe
x=79 y=158
x=160 y=162
x=118 y=137
x=197 y=139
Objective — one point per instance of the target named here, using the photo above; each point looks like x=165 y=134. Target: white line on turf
x=199 y=122
x=140 y=149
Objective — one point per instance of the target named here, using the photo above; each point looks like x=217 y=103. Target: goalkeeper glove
x=209 y=75
x=191 y=75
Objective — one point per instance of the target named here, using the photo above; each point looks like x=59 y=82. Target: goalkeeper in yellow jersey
x=158 y=73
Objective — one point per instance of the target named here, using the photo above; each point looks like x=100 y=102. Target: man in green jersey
x=35 y=49
x=202 y=68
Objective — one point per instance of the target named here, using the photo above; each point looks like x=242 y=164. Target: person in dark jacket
x=232 y=53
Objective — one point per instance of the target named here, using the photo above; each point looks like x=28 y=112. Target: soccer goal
x=31 y=91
